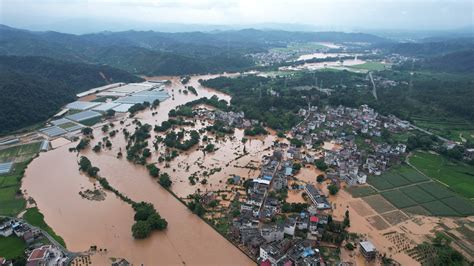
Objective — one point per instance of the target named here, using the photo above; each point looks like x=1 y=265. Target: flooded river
x=54 y=182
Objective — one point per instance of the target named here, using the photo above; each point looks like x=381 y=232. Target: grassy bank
x=11 y=247
x=36 y=218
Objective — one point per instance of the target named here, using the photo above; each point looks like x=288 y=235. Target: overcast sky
x=323 y=14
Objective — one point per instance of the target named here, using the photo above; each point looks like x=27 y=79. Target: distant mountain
x=456 y=62
x=430 y=48
x=33 y=89
x=162 y=53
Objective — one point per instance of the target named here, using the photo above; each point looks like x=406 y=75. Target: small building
x=367 y=249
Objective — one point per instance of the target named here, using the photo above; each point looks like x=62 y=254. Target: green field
x=67 y=125
x=398 y=199
x=448 y=127
x=408 y=189
x=10 y=202
x=36 y=218
x=417 y=194
x=309 y=47
x=462 y=206
x=361 y=191
x=26 y=151
x=457 y=175
x=11 y=247
x=91 y=121
x=396 y=177
x=371 y=66
x=437 y=208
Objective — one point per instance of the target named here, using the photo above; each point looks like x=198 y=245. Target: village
x=277 y=204
x=275 y=231
x=42 y=248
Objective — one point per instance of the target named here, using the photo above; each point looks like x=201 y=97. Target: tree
x=347 y=221
x=105 y=128
x=87 y=131
x=350 y=246
x=320 y=178
x=110 y=113
x=333 y=189
x=165 y=180
x=209 y=147
x=141 y=229
x=156 y=222
x=153 y=170
x=321 y=165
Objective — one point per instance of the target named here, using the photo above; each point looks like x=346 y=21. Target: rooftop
x=367 y=246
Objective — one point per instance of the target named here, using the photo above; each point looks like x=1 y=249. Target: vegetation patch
x=361 y=191
x=417 y=194
x=371 y=66
x=417 y=210
x=26 y=151
x=438 y=208
x=398 y=199
x=457 y=175
x=379 y=182
x=11 y=200
x=379 y=204
x=11 y=247
x=34 y=217
x=91 y=121
x=463 y=206
x=411 y=174
x=437 y=190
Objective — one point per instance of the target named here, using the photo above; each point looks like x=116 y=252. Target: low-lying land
x=407 y=189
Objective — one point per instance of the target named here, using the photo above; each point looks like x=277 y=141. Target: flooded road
x=54 y=182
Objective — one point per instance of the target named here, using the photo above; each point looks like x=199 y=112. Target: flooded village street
x=54 y=182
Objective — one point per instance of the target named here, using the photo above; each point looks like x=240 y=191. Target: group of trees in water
x=175 y=140
x=147 y=219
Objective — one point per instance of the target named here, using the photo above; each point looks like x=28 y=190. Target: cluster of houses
x=291 y=241
x=38 y=253
x=230 y=119
x=350 y=161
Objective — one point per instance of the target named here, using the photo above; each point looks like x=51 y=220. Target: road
x=429 y=133
x=269 y=187
x=374 y=89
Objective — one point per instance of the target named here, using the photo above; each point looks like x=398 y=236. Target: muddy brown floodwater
x=53 y=181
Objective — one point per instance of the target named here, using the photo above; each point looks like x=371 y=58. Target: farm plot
x=412 y=175
x=398 y=199
x=438 y=208
x=416 y=210
x=437 y=190
x=417 y=194
x=463 y=206
x=379 y=182
x=457 y=175
x=361 y=191
x=378 y=203
x=25 y=151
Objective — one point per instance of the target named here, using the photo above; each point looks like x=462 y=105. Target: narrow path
x=374 y=89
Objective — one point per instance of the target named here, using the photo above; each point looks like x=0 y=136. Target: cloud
x=406 y=14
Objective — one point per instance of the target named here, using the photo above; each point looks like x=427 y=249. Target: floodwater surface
x=54 y=182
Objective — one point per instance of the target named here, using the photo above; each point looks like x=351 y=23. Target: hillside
x=460 y=62
x=32 y=89
x=159 y=53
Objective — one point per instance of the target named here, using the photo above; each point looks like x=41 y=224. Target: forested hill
x=159 y=53
x=458 y=62
x=33 y=89
x=429 y=48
